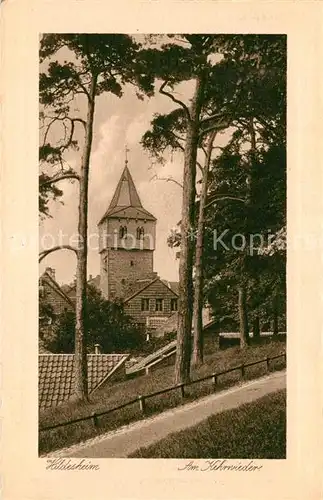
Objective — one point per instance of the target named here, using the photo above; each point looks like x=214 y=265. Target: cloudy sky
x=119 y=122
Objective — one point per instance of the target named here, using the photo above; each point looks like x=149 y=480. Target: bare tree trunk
x=197 y=357
x=184 y=331
x=256 y=328
x=275 y=317
x=243 y=317
x=80 y=361
x=242 y=302
x=253 y=140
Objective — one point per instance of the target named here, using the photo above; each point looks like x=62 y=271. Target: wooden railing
x=141 y=400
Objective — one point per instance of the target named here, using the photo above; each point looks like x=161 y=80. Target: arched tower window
x=140 y=233
x=123 y=232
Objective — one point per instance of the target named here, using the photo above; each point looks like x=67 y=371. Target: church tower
x=127 y=234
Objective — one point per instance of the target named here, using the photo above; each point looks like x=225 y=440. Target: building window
x=123 y=232
x=140 y=233
x=145 y=304
x=173 y=304
x=132 y=263
x=159 y=304
x=105 y=264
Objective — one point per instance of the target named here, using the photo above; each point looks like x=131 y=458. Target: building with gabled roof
x=70 y=290
x=56 y=375
x=127 y=235
x=152 y=304
x=53 y=301
x=50 y=293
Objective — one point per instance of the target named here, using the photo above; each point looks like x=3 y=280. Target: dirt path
x=126 y=440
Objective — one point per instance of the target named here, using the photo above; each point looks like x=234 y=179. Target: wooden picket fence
x=141 y=400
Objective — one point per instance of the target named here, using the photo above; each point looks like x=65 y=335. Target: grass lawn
x=255 y=430
x=108 y=397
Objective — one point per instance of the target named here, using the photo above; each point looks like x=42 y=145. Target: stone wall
x=119 y=267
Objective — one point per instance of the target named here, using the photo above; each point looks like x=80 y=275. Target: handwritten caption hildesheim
x=69 y=464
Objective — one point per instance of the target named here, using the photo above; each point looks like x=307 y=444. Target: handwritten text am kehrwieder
x=219 y=465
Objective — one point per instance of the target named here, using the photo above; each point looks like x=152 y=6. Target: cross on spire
x=126 y=150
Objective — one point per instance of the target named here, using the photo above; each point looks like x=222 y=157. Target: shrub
x=107 y=325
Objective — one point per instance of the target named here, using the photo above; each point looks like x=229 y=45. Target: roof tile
x=56 y=376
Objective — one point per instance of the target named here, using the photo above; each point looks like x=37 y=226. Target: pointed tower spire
x=125 y=201
x=126 y=193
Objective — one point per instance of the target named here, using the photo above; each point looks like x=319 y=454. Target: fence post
x=142 y=404
x=268 y=362
x=95 y=420
x=181 y=386
x=214 y=380
x=242 y=370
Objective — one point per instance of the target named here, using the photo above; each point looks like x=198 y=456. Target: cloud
x=119 y=122
x=103 y=157
x=136 y=129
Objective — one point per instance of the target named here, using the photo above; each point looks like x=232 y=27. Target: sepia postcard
x=161 y=219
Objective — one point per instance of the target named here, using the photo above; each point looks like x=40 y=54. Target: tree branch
x=215 y=116
x=178 y=137
x=162 y=91
x=84 y=89
x=221 y=198
x=69 y=142
x=218 y=126
x=44 y=253
x=54 y=119
x=181 y=40
x=203 y=149
x=47 y=130
x=79 y=120
x=199 y=166
x=167 y=179
x=60 y=178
